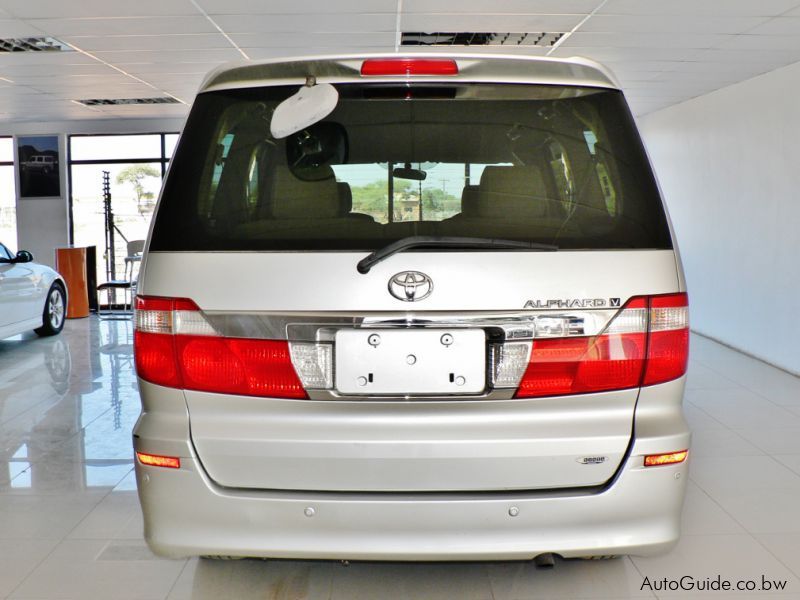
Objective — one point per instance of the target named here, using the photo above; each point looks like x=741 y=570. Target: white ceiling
x=663 y=51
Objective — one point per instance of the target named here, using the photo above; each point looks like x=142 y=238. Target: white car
x=41 y=162
x=32 y=296
x=411 y=308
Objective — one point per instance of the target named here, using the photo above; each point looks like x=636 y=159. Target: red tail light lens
x=174 y=346
x=645 y=344
x=408 y=66
x=156 y=362
x=668 y=352
x=242 y=367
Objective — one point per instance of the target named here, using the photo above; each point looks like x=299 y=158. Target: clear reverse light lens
x=509 y=362
x=191 y=323
x=153 y=321
x=313 y=364
x=668 y=318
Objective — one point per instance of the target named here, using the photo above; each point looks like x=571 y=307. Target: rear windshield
x=548 y=164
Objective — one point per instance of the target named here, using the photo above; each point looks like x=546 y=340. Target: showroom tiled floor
x=70 y=525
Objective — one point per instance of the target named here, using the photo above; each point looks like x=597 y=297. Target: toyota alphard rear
x=445 y=320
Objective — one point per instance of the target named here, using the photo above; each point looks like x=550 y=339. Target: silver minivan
x=421 y=307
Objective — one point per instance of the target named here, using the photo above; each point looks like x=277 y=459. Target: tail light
x=645 y=344
x=408 y=66
x=175 y=346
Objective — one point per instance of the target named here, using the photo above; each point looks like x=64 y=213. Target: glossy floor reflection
x=70 y=525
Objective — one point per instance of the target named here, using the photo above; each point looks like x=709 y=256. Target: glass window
x=134 y=190
x=135 y=187
x=549 y=164
x=170 y=141
x=6 y=149
x=113 y=147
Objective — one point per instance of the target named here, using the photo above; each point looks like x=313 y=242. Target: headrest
x=345 y=198
x=510 y=192
x=293 y=198
x=469 y=201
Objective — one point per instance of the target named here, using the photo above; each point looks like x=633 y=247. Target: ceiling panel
x=646 y=40
x=54 y=9
x=671 y=24
x=336 y=22
x=54 y=60
x=693 y=8
x=188 y=41
x=11 y=28
x=170 y=56
x=124 y=25
x=46 y=70
x=297 y=7
x=769 y=57
x=517 y=23
x=779 y=26
x=326 y=39
x=514 y=7
x=614 y=55
x=759 y=42
x=186 y=81
x=270 y=53
x=178 y=68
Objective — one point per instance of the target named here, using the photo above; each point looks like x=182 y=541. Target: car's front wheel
x=55 y=311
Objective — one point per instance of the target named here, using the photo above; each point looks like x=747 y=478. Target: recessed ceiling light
x=124 y=101
x=33 y=44
x=540 y=38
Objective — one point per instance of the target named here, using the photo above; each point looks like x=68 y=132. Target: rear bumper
x=186 y=515
x=638 y=512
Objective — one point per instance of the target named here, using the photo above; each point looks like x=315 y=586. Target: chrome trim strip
x=489 y=394
x=322 y=327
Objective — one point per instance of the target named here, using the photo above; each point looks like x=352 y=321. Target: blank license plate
x=418 y=361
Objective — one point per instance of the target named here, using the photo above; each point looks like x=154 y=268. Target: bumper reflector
x=154 y=460
x=671 y=458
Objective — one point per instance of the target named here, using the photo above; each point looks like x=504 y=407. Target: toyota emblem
x=410 y=286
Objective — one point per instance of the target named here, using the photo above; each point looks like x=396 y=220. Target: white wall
x=42 y=227
x=729 y=166
x=91 y=126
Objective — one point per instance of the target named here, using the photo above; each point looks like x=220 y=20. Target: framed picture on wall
x=38 y=165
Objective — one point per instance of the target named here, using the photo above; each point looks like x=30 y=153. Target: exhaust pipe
x=545 y=561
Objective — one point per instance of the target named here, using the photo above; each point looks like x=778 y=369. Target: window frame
x=162 y=160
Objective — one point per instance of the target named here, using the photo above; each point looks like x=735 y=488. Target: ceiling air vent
x=125 y=101
x=33 y=44
x=543 y=39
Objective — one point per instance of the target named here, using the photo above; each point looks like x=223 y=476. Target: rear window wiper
x=416 y=241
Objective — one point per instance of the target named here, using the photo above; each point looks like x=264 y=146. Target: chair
x=135 y=250
x=127 y=285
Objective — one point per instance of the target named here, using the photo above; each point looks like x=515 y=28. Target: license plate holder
x=410 y=362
